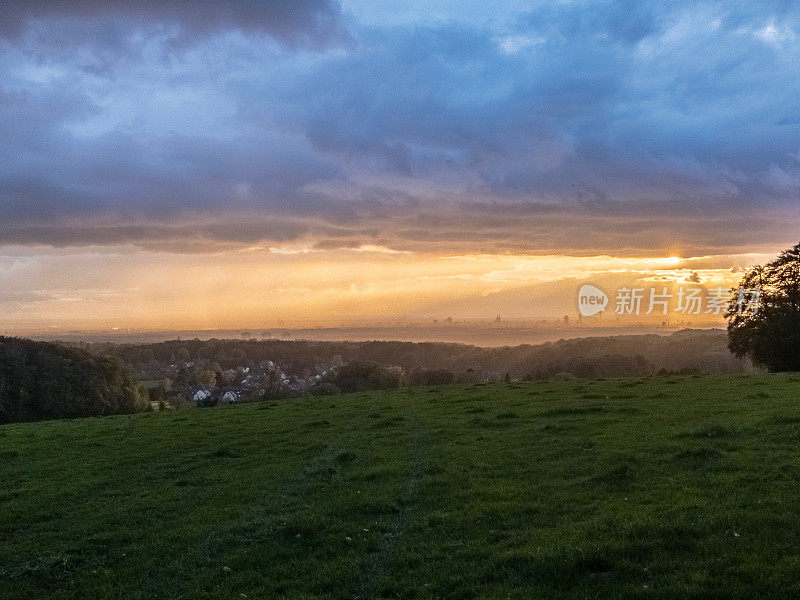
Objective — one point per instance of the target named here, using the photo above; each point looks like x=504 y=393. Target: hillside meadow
x=657 y=487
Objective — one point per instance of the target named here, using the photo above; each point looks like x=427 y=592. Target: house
x=201 y=395
x=229 y=397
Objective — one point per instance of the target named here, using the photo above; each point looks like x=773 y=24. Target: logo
x=591 y=300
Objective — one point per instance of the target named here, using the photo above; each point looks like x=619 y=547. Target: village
x=204 y=383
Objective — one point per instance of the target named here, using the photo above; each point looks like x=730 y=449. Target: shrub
x=432 y=377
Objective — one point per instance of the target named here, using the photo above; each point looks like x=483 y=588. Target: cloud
x=693 y=277
x=314 y=23
x=199 y=237
x=607 y=127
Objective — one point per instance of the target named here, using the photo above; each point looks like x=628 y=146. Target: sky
x=171 y=164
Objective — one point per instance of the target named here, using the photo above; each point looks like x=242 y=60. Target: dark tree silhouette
x=768 y=330
x=39 y=380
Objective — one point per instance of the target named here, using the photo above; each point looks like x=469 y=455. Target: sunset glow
x=257 y=288
x=245 y=167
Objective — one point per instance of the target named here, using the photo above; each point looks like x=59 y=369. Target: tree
x=40 y=380
x=763 y=314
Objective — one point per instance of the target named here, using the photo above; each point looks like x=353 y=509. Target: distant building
x=201 y=395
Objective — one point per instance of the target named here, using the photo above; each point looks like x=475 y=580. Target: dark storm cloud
x=296 y=22
x=585 y=127
x=202 y=236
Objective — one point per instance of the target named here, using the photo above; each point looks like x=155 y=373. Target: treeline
x=39 y=380
x=687 y=351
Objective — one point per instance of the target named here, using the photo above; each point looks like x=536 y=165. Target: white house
x=201 y=395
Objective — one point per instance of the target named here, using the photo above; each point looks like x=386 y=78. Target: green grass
x=666 y=487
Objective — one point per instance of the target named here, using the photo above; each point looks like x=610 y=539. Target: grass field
x=662 y=487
